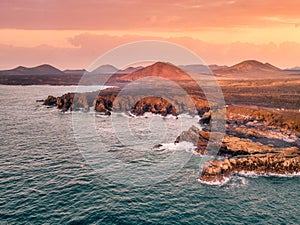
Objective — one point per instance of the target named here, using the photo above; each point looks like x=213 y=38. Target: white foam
x=257 y=174
x=186 y=115
x=248 y=174
x=237 y=181
x=101 y=115
x=150 y=114
x=222 y=182
x=187 y=146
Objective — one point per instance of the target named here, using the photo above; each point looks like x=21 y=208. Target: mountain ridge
x=105 y=69
x=201 y=68
x=244 y=67
x=249 y=66
x=44 y=69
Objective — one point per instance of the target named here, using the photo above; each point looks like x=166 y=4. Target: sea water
x=46 y=178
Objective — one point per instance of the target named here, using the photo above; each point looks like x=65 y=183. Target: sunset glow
x=71 y=34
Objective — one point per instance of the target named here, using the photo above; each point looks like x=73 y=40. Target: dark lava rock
x=154 y=105
x=50 y=100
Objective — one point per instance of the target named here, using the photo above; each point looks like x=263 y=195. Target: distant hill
x=216 y=67
x=105 y=69
x=158 y=69
x=44 y=69
x=197 y=68
x=75 y=72
x=200 y=68
x=294 y=69
x=249 y=66
x=129 y=70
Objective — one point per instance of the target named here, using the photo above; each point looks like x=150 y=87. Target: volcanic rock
x=50 y=100
x=257 y=140
x=154 y=105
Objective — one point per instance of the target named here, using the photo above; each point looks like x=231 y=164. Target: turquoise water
x=45 y=179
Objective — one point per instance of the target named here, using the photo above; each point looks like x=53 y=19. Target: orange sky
x=71 y=34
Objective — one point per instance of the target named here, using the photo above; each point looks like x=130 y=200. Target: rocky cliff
x=257 y=140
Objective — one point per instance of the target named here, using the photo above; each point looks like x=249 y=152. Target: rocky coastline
x=108 y=100
x=257 y=139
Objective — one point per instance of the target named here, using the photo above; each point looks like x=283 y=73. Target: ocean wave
x=187 y=146
x=260 y=174
x=220 y=183
x=239 y=179
x=150 y=114
x=128 y=114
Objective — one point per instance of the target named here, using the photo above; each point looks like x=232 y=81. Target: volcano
x=249 y=66
x=158 y=69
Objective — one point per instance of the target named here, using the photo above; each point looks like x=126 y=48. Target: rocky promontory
x=264 y=141
x=259 y=140
x=277 y=161
x=108 y=100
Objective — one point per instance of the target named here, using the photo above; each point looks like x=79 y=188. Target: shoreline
x=257 y=139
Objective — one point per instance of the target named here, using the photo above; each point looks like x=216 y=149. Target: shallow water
x=45 y=178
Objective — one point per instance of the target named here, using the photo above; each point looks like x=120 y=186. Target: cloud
x=133 y=14
x=87 y=47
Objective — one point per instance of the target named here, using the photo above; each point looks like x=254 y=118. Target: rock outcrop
x=104 y=104
x=285 y=161
x=50 y=101
x=206 y=118
x=154 y=105
x=195 y=136
x=63 y=102
x=191 y=135
x=257 y=140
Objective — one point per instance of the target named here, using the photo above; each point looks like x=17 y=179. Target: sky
x=73 y=33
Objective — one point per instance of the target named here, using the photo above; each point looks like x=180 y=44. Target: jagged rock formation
x=284 y=161
x=257 y=140
x=195 y=136
x=154 y=105
x=50 y=101
x=64 y=102
x=110 y=100
x=191 y=135
x=205 y=118
x=104 y=104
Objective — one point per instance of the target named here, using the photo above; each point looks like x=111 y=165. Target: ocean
x=47 y=178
